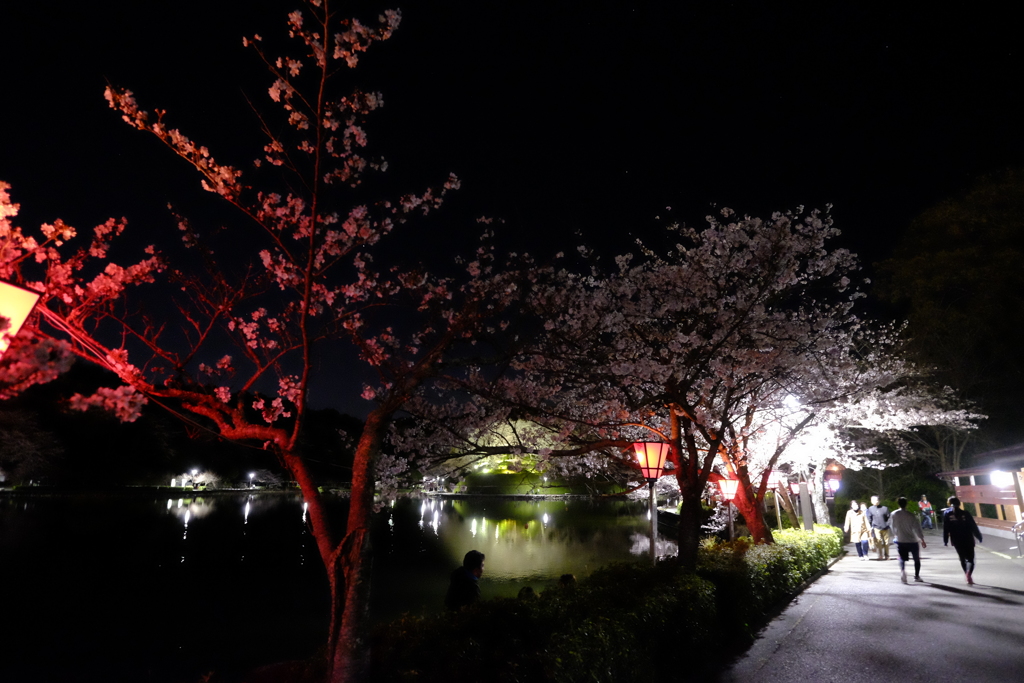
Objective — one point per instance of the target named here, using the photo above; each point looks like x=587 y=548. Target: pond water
x=146 y=588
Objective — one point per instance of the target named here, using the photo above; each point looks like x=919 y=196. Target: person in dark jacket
x=464 y=588
x=959 y=526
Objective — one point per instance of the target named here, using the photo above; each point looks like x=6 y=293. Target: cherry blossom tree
x=686 y=348
x=939 y=442
x=885 y=402
x=231 y=323
x=740 y=348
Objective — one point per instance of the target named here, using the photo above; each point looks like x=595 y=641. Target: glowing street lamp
x=728 y=487
x=16 y=303
x=194 y=473
x=651 y=458
x=1001 y=479
x=251 y=475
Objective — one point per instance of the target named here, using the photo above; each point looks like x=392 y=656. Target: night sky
x=560 y=118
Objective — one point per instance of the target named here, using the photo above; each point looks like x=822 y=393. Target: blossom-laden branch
x=232 y=321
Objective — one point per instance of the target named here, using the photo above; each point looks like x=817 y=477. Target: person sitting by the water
x=527 y=593
x=464 y=588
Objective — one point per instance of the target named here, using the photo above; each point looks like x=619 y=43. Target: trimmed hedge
x=619 y=624
x=752 y=580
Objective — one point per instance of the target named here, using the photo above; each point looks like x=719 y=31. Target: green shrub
x=617 y=625
x=751 y=580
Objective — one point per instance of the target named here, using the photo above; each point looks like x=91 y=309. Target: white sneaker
x=903 y=576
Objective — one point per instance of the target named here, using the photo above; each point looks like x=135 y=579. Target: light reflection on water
x=243 y=569
x=541 y=540
x=524 y=541
x=228 y=553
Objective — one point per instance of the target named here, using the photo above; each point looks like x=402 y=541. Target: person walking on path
x=878 y=520
x=857 y=526
x=959 y=526
x=926 y=513
x=908 y=533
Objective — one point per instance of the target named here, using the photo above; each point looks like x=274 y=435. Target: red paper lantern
x=651 y=455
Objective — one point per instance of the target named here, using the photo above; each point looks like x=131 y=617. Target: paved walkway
x=858 y=622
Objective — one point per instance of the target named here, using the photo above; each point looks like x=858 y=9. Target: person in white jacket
x=908 y=533
x=857 y=526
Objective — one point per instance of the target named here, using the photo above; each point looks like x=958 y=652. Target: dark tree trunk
x=350 y=602
x=689 y=526
x=349 y=568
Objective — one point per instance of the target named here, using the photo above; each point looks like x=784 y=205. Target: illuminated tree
x=231 y=332
x=852 y=429
x=687 y=348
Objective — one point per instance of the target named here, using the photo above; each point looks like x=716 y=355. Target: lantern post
x=728 y=488
x=651 y=455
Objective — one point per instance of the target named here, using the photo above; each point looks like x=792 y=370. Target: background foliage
x=623 y=623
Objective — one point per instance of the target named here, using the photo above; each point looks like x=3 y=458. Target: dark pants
x=905 y=549
x=862 y=548
x=966 y=553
